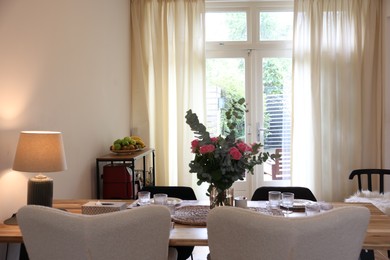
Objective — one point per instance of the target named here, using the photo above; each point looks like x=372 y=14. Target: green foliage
x=237 y=26
x=272 y=77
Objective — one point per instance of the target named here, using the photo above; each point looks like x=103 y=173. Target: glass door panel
x=276 y=90
x=225 y=81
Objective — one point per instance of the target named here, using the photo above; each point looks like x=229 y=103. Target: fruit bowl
x=124 y=151
x=128 y=144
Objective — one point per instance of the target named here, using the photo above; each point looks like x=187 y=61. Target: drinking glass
x=160 y=198
x=143 y=198
x=240 y=202
x=287 y=201
x=312 y=208
x=274 y=199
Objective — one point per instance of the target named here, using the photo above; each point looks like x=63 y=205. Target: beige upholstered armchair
x=235 y=233
x=141 y=233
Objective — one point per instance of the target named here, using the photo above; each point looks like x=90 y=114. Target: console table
x=128 y=160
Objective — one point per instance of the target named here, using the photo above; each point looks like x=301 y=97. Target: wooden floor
x=381 y=255
x=200 y=253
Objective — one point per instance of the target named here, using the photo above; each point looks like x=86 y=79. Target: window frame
x=253 y=9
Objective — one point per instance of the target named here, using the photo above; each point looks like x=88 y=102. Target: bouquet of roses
x=222 y=160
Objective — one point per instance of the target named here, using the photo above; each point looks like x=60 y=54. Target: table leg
x=132 y=167
x=97 y=180
x=153 y=170
x=367 y=255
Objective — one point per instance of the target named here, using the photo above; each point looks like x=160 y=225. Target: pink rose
x=243 y=147
x=208 y=148
x=194 y=145
x=235 y=153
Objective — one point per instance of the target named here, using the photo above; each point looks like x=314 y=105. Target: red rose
x=243 y=147
x=194 y=145
x=214 y=139
x=235 y=153
x=208 y=148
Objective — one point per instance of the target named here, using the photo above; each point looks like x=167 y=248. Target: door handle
x=259 y=130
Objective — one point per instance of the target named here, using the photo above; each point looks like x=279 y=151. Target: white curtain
x=337 y=93
x=167 y=78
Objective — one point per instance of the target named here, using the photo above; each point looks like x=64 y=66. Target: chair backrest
x=369 y=173
x=261 y=193
x=180 y=192
x=235 y=233
x=50 y=233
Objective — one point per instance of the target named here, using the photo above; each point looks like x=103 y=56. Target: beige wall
x=64 y=66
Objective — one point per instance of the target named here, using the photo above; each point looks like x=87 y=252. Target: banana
x=138 y=140
x=141 y=143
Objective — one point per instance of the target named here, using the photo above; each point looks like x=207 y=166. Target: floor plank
x=201 y=252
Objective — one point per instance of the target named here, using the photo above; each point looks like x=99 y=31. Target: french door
x=248 y=54
x=264 y=79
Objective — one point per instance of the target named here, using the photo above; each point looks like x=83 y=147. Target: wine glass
x=287 y=202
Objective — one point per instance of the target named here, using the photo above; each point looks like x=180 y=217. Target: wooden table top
x=378 y=231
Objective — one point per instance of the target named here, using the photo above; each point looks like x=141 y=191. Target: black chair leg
x=23 y=253
x=367 y=255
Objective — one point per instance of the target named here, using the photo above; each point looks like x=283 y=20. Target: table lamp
x=40 y=152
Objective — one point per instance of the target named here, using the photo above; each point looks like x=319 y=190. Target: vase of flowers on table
x=222 y=160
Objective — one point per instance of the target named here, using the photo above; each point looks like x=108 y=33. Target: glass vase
x=221 y=197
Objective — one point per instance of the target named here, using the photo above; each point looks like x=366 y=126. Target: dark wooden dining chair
x=368 y=175
x=180 y=192
x=365 y=178
x=261 y=193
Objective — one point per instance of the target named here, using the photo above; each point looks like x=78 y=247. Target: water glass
x=143 y=198
x=171 y=207
x=312 y=208
x=160 y=198
x=274 y=199
x=287 y=201
x=241 y=202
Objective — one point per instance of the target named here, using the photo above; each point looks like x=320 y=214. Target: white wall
x=64 y=66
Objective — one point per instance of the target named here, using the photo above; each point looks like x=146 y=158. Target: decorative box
x=117 y=182
x=95 y=207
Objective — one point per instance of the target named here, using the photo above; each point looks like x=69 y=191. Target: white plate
x=170 y=201
x=299 y=203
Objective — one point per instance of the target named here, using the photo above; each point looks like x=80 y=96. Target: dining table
x=195 y=233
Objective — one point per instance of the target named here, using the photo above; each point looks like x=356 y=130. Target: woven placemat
x=273 y=212
x=268 y=211
x=191 y=215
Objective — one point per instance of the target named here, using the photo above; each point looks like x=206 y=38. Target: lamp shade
x=40 y=151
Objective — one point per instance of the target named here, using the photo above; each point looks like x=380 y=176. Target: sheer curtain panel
x=337 y=93
x=167 y=78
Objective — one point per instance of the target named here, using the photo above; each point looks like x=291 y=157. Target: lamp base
x=40 y=191
x=11 y=221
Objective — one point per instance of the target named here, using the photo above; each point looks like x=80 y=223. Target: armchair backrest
x=235 y=233
x=50 y=233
